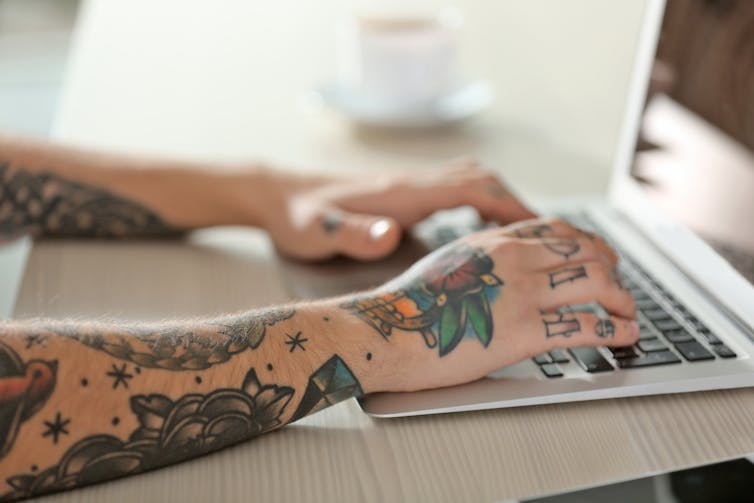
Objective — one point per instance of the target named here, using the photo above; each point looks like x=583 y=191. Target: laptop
x=679 y=212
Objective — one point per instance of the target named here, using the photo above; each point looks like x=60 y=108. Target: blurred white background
x=228 y=79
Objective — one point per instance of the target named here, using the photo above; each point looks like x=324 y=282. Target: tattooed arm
x=86 y=402
x=51 y=190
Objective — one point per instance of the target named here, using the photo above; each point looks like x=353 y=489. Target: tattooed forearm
x=24 y=389
x=175 y=349
x=444 y=300
x=46 y=204
x=170 y=431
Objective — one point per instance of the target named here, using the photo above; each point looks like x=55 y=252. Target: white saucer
x=455 y=106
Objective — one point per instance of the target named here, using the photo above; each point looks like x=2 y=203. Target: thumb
x=363 y=237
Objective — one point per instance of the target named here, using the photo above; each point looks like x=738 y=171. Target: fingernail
x=378 y=229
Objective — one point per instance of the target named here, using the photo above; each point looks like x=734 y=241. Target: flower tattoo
x=447 y=297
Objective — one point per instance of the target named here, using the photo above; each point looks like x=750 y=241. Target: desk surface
x=119 y=94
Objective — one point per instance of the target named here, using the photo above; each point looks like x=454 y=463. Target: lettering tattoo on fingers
x=604 y=328
x=567 y=275
x=560 y=324
x=534 y=231
x=566 y=248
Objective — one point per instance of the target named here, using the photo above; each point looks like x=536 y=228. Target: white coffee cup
x=399 y=59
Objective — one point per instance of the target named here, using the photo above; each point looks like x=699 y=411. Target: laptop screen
x=695 y=153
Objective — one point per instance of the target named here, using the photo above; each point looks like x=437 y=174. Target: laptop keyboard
x=669 y=332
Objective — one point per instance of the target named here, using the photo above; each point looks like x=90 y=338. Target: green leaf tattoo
x=447 y=295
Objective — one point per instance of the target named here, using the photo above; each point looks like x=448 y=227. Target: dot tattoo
x=296 y=341
x=56 y=428
x=198 y=379
x=369 y=356
x=84 y=382
x=116 y=421
x=331 y=223
x=269 y=366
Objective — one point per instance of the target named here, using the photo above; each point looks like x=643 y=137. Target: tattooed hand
x=497 y=297
x=364 y=217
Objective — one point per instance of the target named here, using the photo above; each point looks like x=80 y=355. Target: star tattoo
x=296 y=341
x=35 y=340
x=56 y=428
x=120 y=376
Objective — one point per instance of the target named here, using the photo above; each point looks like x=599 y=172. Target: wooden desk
x=170 y=77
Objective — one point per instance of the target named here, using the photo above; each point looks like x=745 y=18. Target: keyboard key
x=665 y=325
x=542 y=359
x=551 y=370
x=645 y=334
x=559 y=356
x=645 y=304
x=656 y=314
x=590 y=359
x=693 y=351
x=652 y=345
x=679 y=335
x=622 y=352
x=649 y=360
x=712 y=338
x=724 y=351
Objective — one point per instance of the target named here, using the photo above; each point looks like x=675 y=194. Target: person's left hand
x=363 y=217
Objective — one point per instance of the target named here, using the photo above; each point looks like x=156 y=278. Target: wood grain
x=341 y=454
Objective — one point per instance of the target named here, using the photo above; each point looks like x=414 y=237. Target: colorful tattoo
x=447 y=297
x=24 y=389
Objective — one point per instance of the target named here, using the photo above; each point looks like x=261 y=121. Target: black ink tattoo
x=333 y=382
x=56 y=428
x=564 y=247
x=43 y=203
x=24 y=389
x=269 y=367
x=120 y=376
x=183 y=350
x=296 y=341
x=168 y=431
x=534 y=231
x=35 y=340
x=604 y=328
x=567 y=275
x=331 y=223
x=563 y=324
x=84 y=382
x=369 y=357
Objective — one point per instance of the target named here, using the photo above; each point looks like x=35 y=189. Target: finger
x=545 y=254
x=557 y=228
x=581 y=284
x=363 y=237
x=569 y=329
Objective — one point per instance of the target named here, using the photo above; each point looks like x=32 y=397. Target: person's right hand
x=497 y=297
